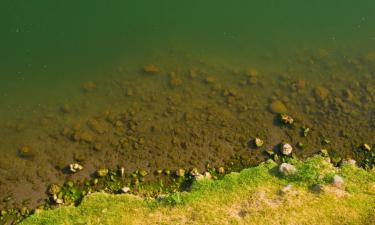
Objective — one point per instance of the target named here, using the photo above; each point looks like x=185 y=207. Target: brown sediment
x=196 y=115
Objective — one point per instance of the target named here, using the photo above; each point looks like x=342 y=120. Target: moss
x=244 y=198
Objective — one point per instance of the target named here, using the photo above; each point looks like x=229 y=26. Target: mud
x=184 y=112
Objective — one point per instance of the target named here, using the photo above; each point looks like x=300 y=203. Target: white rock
x=338 y=181
x=286 y=149
x=57 y=200
x=287 y=169
x=207 y=175
x=125 y=189
x=75 y=167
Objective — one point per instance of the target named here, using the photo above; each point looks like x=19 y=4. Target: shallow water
x=221 y=64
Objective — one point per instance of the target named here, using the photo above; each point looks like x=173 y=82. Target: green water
x=48 y=49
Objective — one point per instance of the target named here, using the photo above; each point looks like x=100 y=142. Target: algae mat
x=250 y=197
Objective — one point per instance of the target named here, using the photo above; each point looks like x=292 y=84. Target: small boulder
x=287 y=169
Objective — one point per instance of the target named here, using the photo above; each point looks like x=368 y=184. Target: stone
x=180 y=172
x=102 y=172
x=151 y=69
x=125 y=189
x=338 y=181
x=258 y=142
x=286 y=189
x=287 y=169
x=277 y=107
x=286 y=149
x=75 y=167
x=350 y=162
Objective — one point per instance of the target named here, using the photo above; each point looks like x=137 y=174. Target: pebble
x=287 y=169
x=125 y=189
x=180 y=172
x=102 y=172
x=258 y=142
x=75 y=167
x=286 y=149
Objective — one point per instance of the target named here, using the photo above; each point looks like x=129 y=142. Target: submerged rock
x=321 y=93
x=287 y=169
x=277 y=107
x=151 y=69
x=89 y=86
x=25 y=152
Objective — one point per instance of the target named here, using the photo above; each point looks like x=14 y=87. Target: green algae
x=214 y=200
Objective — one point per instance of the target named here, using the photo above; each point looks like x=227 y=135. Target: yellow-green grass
x=250 y=197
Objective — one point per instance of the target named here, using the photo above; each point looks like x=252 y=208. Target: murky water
x=74 y=88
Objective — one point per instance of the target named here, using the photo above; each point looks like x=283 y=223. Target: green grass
x=249 y=197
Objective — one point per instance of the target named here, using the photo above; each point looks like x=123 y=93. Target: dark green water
x=48 y=49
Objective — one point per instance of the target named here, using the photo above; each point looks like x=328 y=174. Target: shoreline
x=311 y=188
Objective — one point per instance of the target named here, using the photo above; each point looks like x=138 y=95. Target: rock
x=321 y=93
x=125 y=189
x=338 y=181
x=25 y=152
x=143 y=173
x=351 y=162
x=89 y=86
x=366 y=147
x=286 y=189
x=122 y=171
x=207 y=175
x=180 y=172
x=75 y=167
x=221 y=170
x=277 y=107
x=209 y=79
x=258 y=142
x=57 y=200
x=286 y=149
x=102 y=172
x=287 y=169
x=54 y=189
x=317 y=188
x=286 y=119
x=151 y=69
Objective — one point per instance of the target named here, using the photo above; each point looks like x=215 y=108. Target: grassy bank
x=254 y=196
